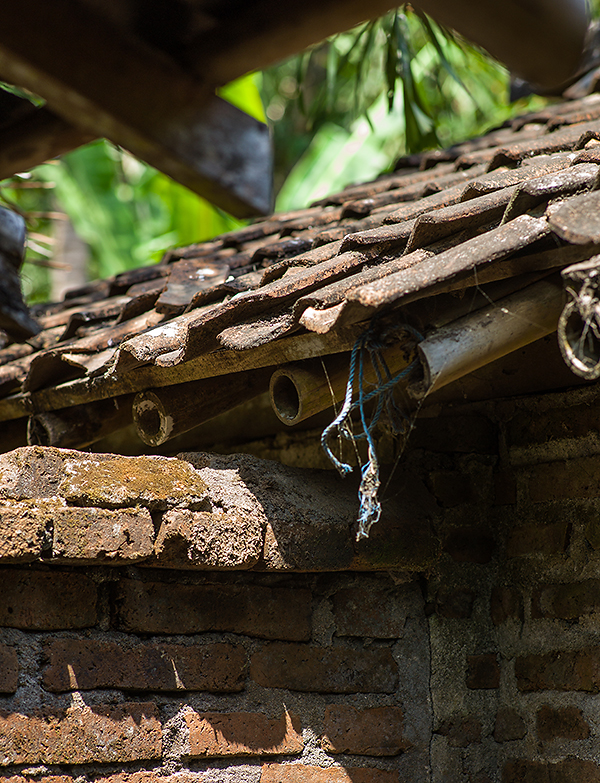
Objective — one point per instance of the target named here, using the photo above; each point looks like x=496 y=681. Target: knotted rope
x=371 y=343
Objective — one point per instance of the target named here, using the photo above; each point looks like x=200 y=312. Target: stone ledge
x=201 y=511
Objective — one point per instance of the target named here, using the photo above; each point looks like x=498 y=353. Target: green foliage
x=341 y=112
x=126 y=211
x=359 y=100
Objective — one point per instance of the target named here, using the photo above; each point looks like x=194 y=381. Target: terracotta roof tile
x=521 y=200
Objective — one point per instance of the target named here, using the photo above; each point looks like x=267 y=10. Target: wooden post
x=161 y=414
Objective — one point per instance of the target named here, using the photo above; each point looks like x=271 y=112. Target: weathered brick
x=454 y=604
x=85 y=664
x=32 y=472
x=214 y=734
x=81 y=735
x=461 y=732
x=47 y=601
x=372 y=610
x=155 y=482
x=483 y=671
x=456 y=434
x=550 y=539
x=506 y=603
x=23 y=528
x=561 y=723
x=36 y=779
x=574 y=421
x=451 y=488
x=375 y=731
x=577 y=478
x=300 y=773
x=505 y=489
x=509 y=725
x=566 y=601
x=102 y=535
x=9 y=669
x=266 y=612
x=199 y=539
x=330 y=670
x=469 y=545
x=567 y=670
x=569 y=770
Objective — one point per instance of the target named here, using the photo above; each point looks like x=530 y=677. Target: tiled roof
x=514 y=205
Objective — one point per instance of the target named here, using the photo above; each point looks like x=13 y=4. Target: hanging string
x=370 y=344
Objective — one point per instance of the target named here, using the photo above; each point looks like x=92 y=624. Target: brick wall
x=477 y=660
x=126 y=675
x=514 y=600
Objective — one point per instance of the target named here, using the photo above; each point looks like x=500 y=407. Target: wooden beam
x=36 y=138
x=119 y=382
x=111 y=85
x=262 y=32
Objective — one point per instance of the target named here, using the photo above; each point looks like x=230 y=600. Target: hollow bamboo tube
x=488 y=334
x=81 y=425
x=161 y=414
x=303 y=389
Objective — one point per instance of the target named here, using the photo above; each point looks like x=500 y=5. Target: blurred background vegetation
x=341 y=112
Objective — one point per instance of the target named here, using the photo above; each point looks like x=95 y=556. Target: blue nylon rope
x=368 y=343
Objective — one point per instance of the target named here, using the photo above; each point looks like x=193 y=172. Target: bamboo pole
x=161 y=414
x=478 y=339
x=299 y=391
x=81 y=425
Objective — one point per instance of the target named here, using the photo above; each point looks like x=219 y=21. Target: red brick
x=456 y=434
x=201 y=539
x=372 y=611
x=159 y=483
x=469 y=545
x=36 y=779
x=81 y=735
x=566 y=601
x=266 y=612
x=461 y=732
x=575 y=478
x=506 y=603
x=86 y=664
x=569 y=770
x=552 y=539
x=561 y=723
x=47 y=601
x=102 y=535
x=300 y=773
x=456 y=604
x=509 y=725
x=215 y=734
x=299 y=667
x=9 y=669
x=375 y=731
x=483 y=671
x=505 y=489
x=571 y=670
x=23 y=528
x=451 y=489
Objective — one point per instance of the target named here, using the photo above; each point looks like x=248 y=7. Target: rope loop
x=370 y=345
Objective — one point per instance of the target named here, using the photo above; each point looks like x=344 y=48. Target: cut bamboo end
x=299 y=391
x=471 y=342
x=161 y=414
x=153 y=423
x=578 y=342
